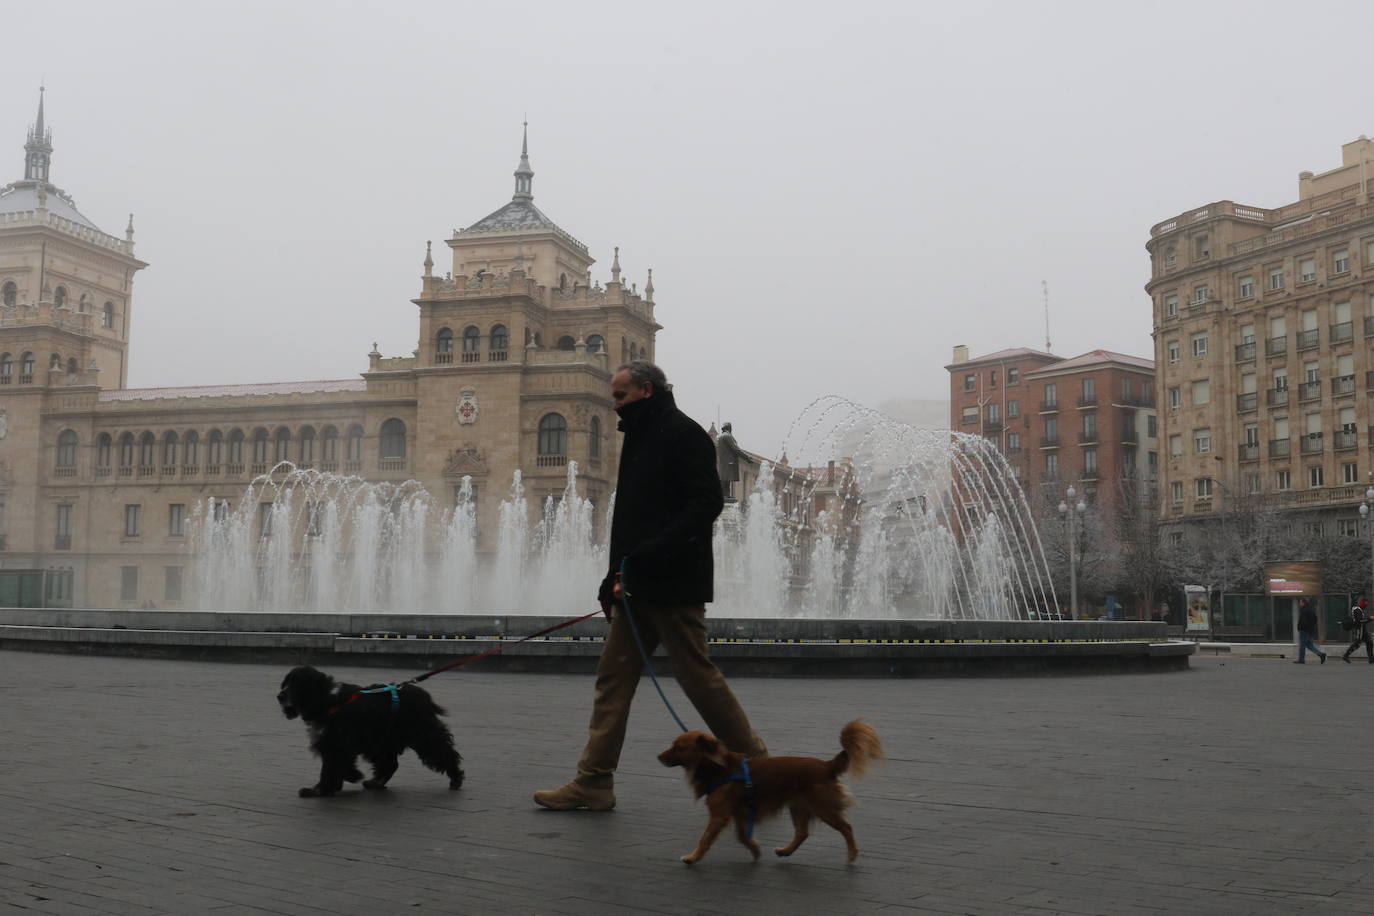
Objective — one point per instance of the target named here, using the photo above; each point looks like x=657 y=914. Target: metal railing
x=1340 y=333
x=1249 y=451
x=1309 y=391
x=1245 y=351
x=1276 y=397
x=1312 y=444
x=1343 y=384
x=1049 y=442
x=1309 y=339
x=1247 y=401
x=1280 y=448
x=1276 y=346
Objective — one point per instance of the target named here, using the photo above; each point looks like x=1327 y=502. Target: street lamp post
x=1072 y=512
x=1365 y=509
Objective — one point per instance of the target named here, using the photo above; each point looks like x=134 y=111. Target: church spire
x=524 y=175
x=38 y=149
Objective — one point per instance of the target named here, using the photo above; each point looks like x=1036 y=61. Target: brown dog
x=807 y=786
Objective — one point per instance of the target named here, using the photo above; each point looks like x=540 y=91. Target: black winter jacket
x=667 y=498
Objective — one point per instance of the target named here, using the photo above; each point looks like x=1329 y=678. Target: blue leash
x=744 y=777
x=648 y=662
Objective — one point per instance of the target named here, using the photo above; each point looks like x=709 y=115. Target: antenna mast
x=1045 y=291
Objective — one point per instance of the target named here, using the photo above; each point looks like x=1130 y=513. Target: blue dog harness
x=752 y=803
x=394 y=689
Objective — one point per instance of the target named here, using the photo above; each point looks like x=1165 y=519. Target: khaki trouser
x=681 y=630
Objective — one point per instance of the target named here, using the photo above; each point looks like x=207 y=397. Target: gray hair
x=641 y=371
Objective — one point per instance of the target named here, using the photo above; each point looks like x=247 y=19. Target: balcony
x=168 y=470
x=1087 y=438
x=64 y=472
x=1340 y=333
x=1088 y=400
x=1276 y=397
x=551 y=461
x=1345 y=438
x=1280 y=448
x=147 y=470
x=496 y=356
x=1049 y=442
x=190 y=470
x=1049 y=406
x=1049 y=476
x=1089 y=474
x=102 y=471
x=443 y=357
x=1309 y=340
x=1144 y=399
x=1245 y=352
x=62 y=542
x=1276 y=346
x=391 y=464
x=1310 y=391
x=991 y=427
x=1130 y=436
x=1343 y=384
x=1247 y=401
x=1312 y=444
x=472 y=356
x=233 y=470
x=1369 y=326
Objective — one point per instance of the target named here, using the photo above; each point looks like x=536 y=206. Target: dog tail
x=861 y=747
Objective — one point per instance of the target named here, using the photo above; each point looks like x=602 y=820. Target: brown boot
x=575 y=795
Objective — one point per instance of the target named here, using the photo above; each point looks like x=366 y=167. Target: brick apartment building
x=1087 y=422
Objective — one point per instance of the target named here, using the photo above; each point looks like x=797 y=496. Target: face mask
x=633 y=410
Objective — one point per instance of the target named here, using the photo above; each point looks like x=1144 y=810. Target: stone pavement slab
x=168 y=787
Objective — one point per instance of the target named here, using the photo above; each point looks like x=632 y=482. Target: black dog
x=346 y=722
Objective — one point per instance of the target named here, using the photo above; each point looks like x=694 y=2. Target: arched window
x=126 y=450
x=72 y=368
x=214 y=453
x=66 y=449
x=283 y=452
x=260 y=445
x=596 y=344
x=190 y=451
x=10 y=294
x=107 y=315
x=443 y=346
x=103 y=448
x=236 y=447
x=169 y=449
x=26 y=369
x=55 y=361
x=562 y=283
x=553 y=435
x=353 y=445
x=307 y=453
x=472 y=344
x=6 y=368
x=83 y=305
x=500 y=338
x=393 y=441
x=594 y=439
x=147 y=450
x=566 y=343
x=59 y=296
x=329 y=447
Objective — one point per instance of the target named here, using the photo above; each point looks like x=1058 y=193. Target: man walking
x=1360 y=634
x=667 y=498
x=1307 y=632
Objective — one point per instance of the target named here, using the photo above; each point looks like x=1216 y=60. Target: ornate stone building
x=98 y=482
x=1264 y=339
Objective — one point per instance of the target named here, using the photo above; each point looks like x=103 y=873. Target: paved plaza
x=1241 y=786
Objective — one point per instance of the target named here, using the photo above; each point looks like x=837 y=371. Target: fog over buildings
x=829 y=198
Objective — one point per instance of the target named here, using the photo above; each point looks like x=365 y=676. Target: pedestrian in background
x=1307 y=632
x=1359 y=615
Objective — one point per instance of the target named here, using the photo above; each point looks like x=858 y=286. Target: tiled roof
x=1004 y=355
x=233 y=391
x=1093 y=357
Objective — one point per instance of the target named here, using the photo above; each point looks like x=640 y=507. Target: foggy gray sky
x=831 y=196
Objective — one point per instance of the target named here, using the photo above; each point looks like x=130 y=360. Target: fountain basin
x=776 y=647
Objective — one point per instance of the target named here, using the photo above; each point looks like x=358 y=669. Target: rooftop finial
x=524 y=175
x=129 y=230
x=649 y=287
x=429 y=261
x=38 y=149
x=615 y=267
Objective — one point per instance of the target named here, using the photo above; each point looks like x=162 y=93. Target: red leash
x=501 y=648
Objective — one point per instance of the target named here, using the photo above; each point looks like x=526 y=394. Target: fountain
x=931 y=525
x=923 y=560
